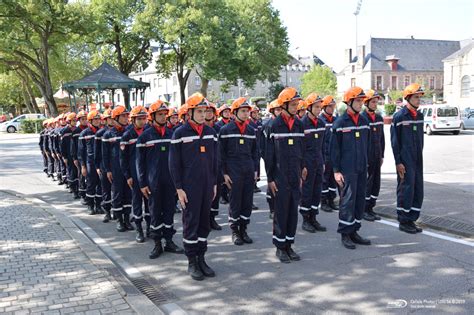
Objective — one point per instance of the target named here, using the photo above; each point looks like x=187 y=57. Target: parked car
x=468 y=120
x=441 y=117
x=14 y=124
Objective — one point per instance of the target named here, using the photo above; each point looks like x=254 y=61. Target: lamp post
x=356 y=13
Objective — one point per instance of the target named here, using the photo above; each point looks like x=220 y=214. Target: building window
x=407 y=81
x=353 y=68
x=155 y=82
x=118 y=98
x=353 y=82
x=175 y=81
x=432 y=83
x=197 y=81
x=394 y=83
x=465 y=86
x=378 y=83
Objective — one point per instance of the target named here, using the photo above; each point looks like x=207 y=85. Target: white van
x=14 y=124
x=441 y=117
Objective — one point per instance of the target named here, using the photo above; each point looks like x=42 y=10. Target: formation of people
x=144 y=165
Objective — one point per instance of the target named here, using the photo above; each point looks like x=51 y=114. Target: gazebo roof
x=105 y=77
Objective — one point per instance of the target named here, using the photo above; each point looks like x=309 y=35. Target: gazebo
x=104 y=78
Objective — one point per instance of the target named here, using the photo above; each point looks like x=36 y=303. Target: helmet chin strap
x=285 y=108
x=192 y=116
x=352 y=107
x=408 y=101
x=154 y=120
x=237 y=116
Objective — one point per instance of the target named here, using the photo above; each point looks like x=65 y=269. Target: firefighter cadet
x=238 y=155
x=284 y=157
x=314 y=130
x=376 y=153
x=82 y=171
x=138 y=117
x=154 y=179
x=406 y=135
x=121 y=193
x=349 y=149
x=193 y=167
x=66 y=144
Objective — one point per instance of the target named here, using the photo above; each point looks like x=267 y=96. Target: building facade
x=386 y=64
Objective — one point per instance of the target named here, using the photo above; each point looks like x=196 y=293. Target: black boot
x=306 y=225
x=291 y=253
x=126 y=222
x=90 y=209
x=84 y=201
x=171 y=247
x=140 y=238
x=347 y=242
x=356 y=238
x=236 y=238
x=113 y=217
x=417 y=227
x=120 y=225
x=317 y=225
x=147 y=228
x=193 y=269
x=375 y=215
x=214 y=224
x=325 y=206
x=368 y=216
x=76 y=195
x=157 y=250
x=333 y=205
x=270 y=215
x=98 y=208
x=243 y=234
x=106 y=216
x=283 y=256
x=407 y=228
x=206 y=270
x=256 y=189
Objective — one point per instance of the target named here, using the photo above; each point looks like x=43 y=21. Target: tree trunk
x=126 y=98
x=31 y=95
x=26 y=98
x=204 y=86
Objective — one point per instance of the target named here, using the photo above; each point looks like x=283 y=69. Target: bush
x=390 y=109
x=31 y=125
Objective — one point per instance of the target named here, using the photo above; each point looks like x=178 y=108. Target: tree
x=119 y=37
x=320 y=79
x=395 y=96
x=274 y=91
x=11 y=92
x=29 y=33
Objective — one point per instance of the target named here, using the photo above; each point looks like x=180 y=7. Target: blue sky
x=326 y=28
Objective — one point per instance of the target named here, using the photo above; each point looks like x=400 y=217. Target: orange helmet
x=328 y=100
x=71 y=116
x=287 y=95
x=241 y=102
x=117 y=111
x=272 y=105
x=107 y=113
x=352 y=93
x=313 y=98
x=195 y=100
x=172 y=111
x=183 y=110
x=45 y=122
x=370 y=94
x=302 y=105
x=138 y=111
x=255 y=108
x=93 y=114
x=157 y=106
x=412 y=89
x=222 y=108
x=81 y=114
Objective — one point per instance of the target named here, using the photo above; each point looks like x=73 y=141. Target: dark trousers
x=352 y=204
x=72 y=178
x=285 y=218
x=373 y=184
x=410 y=193
x=161 y=204
x=241 y=196
x=106 y=191
x=329 y=183
x=140 y=207
x=93 y=186
x=121 y=194
x=311 y=192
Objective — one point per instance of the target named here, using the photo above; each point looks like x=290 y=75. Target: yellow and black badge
x=316 y=135
x=290 y=141
x=241 y=141
x=414 y=128
x=357 y=134
x=163 y=148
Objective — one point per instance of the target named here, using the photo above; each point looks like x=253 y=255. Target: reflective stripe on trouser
x=241 y=196
x=139 y=203
x=93 y=187
x=410 y=194
x=121 y=195
x=311 y=192
x=82 y=183
x=285 y=217
x=329 y=186
x=373 y=184
x=161 y=204
x=196 y=225
x=106 y=190
x=72 y=176
x=352 y=203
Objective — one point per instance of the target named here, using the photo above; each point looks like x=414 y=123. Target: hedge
x=31 y=125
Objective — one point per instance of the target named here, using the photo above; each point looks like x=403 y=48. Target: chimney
x=348 y=55
x=362 y=58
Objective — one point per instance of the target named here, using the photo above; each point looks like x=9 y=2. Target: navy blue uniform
x=407 y=144
x=223 y=189
x=349 y=150
x=376 y=154
x=121 y=193
x=76 y=150
x=47 y=150
x=193 y=168
x=43 y=153
x=265 y=137
x=129 y=168
x=284 y=156
x=258 y=126
x=220 y=178
x=152 y=164
x=93 y=187
x=314 y=164
x=329 y=183
x=71 y=169
x=238 y=156
x=104 y=181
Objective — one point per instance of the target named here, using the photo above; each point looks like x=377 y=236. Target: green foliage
x=274 y=91
x=31 y=125
x=390 y=109
x=320 y=79
x=395 y=95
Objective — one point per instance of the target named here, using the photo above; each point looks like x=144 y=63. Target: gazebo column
x=113 y=98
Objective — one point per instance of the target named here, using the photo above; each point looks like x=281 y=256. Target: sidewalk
x=44 y=270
